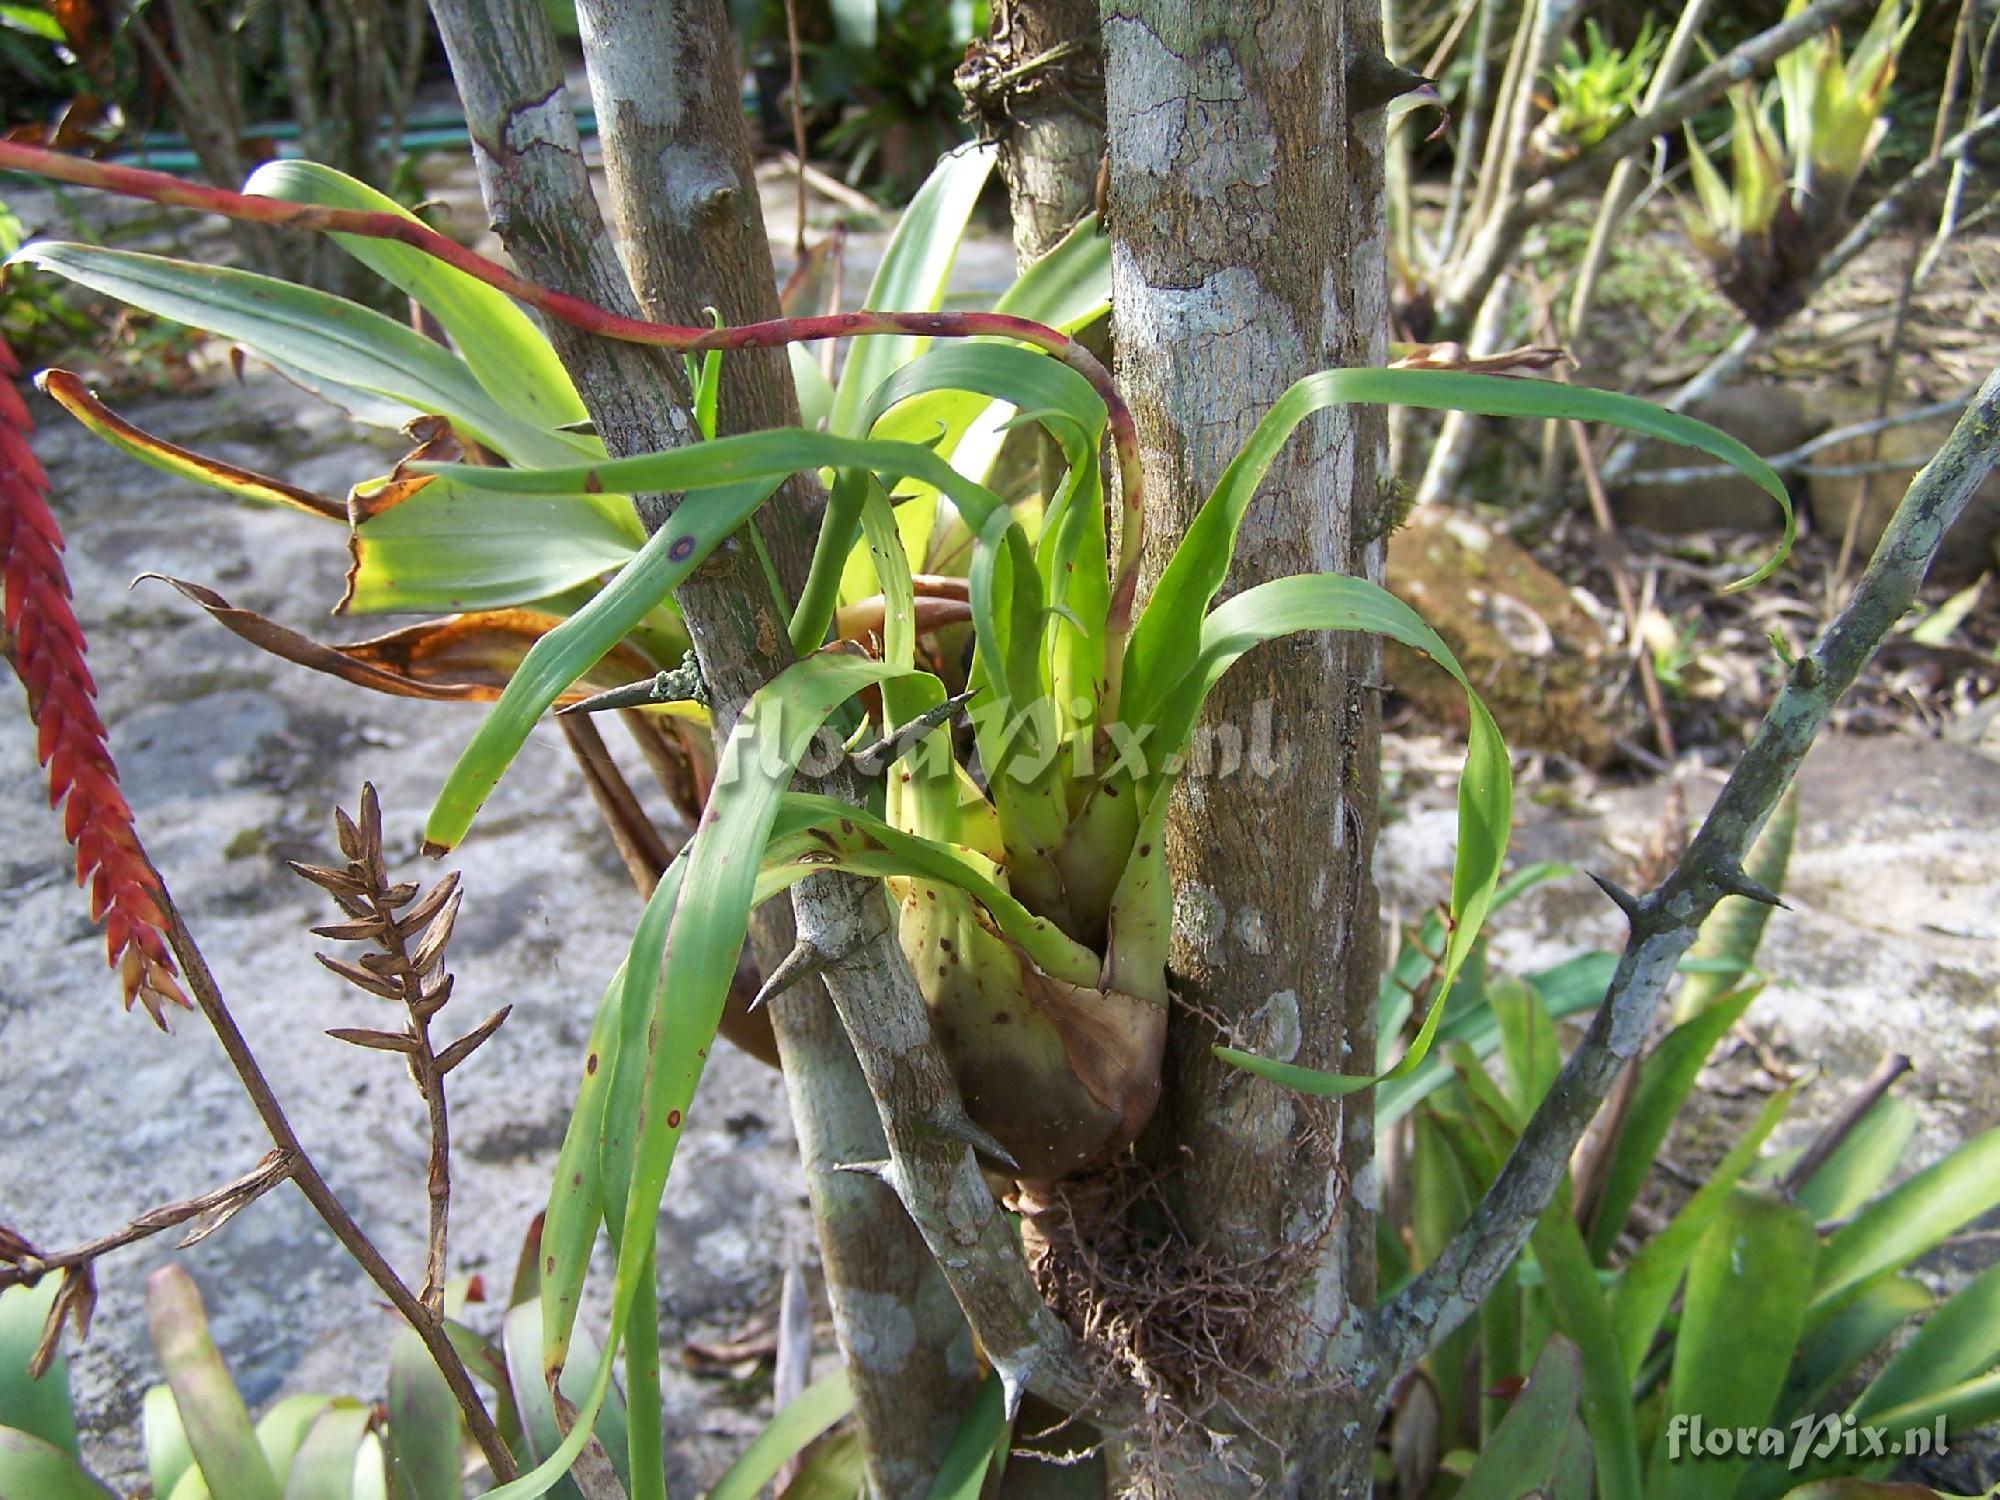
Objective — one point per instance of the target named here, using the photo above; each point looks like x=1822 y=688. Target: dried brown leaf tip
x=409 y=928
x=40 y=637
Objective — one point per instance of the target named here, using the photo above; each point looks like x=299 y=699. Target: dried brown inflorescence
x=40 y=637
x=406 y=965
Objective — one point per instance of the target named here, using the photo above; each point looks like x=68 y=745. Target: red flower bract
x=41 y=638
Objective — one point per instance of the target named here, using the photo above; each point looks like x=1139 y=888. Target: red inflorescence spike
x=42 y=639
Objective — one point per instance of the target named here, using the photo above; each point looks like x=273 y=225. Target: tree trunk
x=1247 y=213
x=908 y=1352
x=1037 y=86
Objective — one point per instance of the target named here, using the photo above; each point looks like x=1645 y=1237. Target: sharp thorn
x=805 y=960
x=1621 y=898
x=894 y=745
x=881 y=1171
x=1732 y=879
x=980 y=1139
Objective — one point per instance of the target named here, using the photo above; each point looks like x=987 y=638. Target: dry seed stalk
x=391 y=916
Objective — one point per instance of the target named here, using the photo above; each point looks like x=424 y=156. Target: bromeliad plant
x=1026 y=863
x=1765 y=228
x=1776 y=1298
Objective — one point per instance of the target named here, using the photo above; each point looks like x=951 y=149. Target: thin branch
x=221 y=1203
x=336 y=1217
x=1841 y=1126
x=1664 y=922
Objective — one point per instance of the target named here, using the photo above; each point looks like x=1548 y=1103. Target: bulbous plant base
x=1062 y=1075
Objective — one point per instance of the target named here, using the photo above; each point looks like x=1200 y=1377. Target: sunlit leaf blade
x=542 y=1434
x=1747 y=1290
x=1485 y=789
x=32 y=1469
x=813 y=833
x=326 y=1463
x=167 y=1453
x=314 y=333
x=1828 y=1354
x=1167 y=633
x=282 y=1430
x=1862 y=1163
x=448 y=545
x=704 y=943
x=183 y=463
x=788 y=1434
x=1666 y=1077
x=576 y=1196
x=1901 y=1225
x=911 y=278
x=834 y=1472
x=507 y=353
x=40 y=1408
x=1070 y=286
x=218 y=1428
x=562 y=656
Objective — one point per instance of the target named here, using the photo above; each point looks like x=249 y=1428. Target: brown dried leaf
x=466 y=1045
x=337 y=883
x=380 y=1041
x=436 y=936
x=413 y=919
x=76 y=1299
x=361 y=979
x=366 y=930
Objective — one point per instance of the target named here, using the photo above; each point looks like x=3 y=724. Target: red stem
x=159 y=187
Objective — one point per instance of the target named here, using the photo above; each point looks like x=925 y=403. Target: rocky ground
x=233 y=762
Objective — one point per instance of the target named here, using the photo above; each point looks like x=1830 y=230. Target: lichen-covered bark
x=1246 y=210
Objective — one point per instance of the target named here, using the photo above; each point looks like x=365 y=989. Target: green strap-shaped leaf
x=451 y=547
x=1745 y=1305
x=815 y=833
x=1862 y=1163
x=576 y=1197
x=423 y=1444
x=704 y=942
x=329 y=1458
x=40 y=1408
x=32 y=1469
x=976 y=1446
x=167 y=1453
x=1168 y=631
x=555 y=661
x=1666 y=1077
x=1901 y=1225
x=805 y=1417
x=507 y=353
x=1645 y=1287
x=313 y=333
x=282 y=1430
x=1485 y=787
x=226 y=1450
x=1959 y=1341
x=1525 y=1448
x=911 y=278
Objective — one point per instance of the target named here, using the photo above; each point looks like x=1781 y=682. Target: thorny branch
x=1664 y=921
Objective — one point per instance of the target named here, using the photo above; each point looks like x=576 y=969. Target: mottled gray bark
x=905 y=1341
x=1036 y=85
x=1246 y=207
